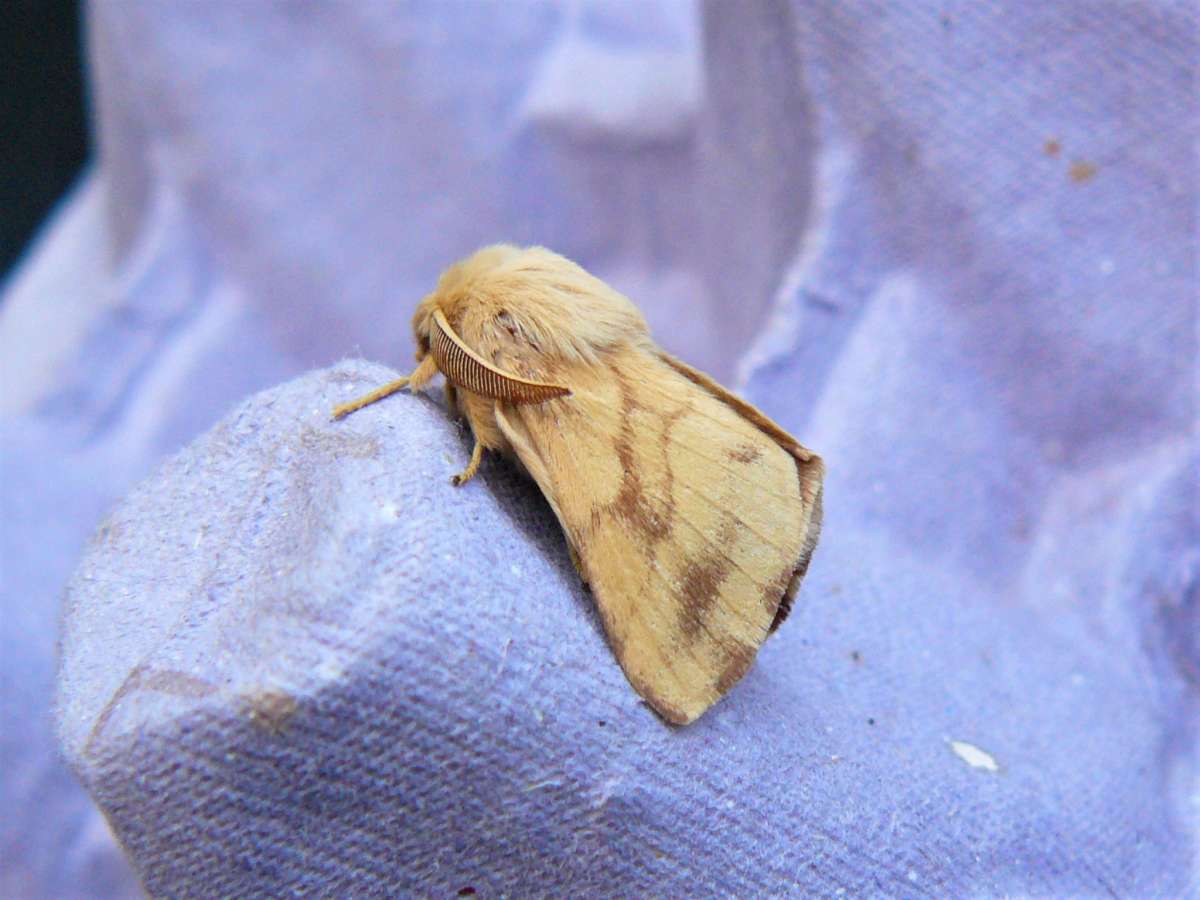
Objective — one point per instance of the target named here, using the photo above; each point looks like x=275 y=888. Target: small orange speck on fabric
x=1082 y=171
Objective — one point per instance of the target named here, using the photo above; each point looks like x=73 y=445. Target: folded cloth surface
x=298 y=659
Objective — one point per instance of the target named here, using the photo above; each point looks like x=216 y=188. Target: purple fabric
x=953 y=248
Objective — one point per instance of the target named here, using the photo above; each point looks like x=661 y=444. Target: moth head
x=455 y=290
x=555 y=307
x=471 y=290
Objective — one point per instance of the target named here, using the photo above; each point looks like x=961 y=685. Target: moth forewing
x=690 y=530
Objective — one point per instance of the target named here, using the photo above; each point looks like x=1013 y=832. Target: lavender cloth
x=952 y=247
x=343 y=675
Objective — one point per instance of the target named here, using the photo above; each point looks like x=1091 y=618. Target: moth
x=689 y=514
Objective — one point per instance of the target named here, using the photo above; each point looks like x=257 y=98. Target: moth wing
x=690 y=521
x=810 y=469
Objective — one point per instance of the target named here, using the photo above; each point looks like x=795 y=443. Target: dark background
x=42 y=119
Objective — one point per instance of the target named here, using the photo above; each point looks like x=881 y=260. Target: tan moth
x=689 y=513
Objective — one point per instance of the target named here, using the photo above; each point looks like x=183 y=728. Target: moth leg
x=417 y=380
x=472 y=467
